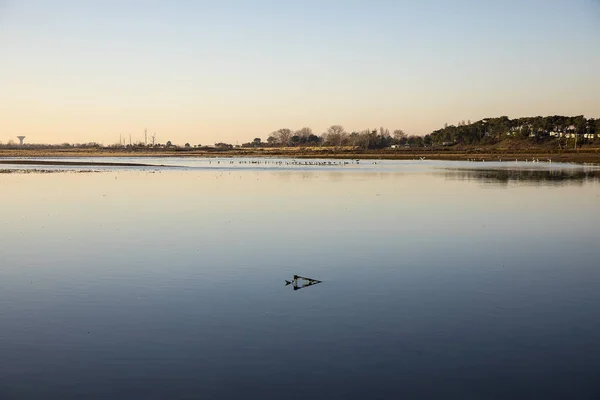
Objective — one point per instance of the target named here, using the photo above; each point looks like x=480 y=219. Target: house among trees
x=491 y=130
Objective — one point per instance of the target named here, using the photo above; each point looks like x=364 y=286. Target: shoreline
x=76 y=163
x=591 y=156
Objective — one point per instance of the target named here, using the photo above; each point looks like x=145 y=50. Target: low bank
x=572 y=156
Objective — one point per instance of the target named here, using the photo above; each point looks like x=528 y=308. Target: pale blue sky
x=206 y=71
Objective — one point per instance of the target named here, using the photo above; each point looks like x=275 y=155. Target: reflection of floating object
x=306 y=282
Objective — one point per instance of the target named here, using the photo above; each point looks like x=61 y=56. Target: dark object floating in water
x=306 y=282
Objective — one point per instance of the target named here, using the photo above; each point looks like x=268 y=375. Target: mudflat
x=74 y=163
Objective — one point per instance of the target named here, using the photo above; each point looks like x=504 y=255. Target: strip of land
x=74 y=163
x=582 y=155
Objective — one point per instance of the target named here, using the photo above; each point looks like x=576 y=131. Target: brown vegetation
x=509 y=150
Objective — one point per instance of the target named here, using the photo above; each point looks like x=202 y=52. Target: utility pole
x=130 y=140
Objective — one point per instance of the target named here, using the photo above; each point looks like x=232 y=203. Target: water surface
x=440 y=279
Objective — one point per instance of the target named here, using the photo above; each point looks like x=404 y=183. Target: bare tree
x=336 y=135
x=304 y=132
x=283 y=135
x=145 y=137
x=399 y=134
x=366 y=137
x=335 y=129
x=153 y=137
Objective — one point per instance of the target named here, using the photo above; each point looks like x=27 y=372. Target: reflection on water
x=158 y=283
x=40 y=171
x=538 y=176
x=304 y=282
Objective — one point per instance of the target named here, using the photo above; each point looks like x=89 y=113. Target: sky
x=211 y=71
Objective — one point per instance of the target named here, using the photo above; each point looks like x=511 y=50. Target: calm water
x=440 y=280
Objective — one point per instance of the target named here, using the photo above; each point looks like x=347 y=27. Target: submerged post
x=307 y=282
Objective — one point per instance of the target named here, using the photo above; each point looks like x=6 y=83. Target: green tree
x=313 y=139
x=580 y=123
x=525 y=131
x=295 y=140
x=272 y=140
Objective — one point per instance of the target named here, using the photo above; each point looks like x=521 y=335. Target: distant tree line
x=337 y=136
x=485 y=131
x=11 y=144
x=493 y=130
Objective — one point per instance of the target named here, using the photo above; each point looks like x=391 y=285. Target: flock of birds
x=533 y=160
x=322 y=163
x=319 y=163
